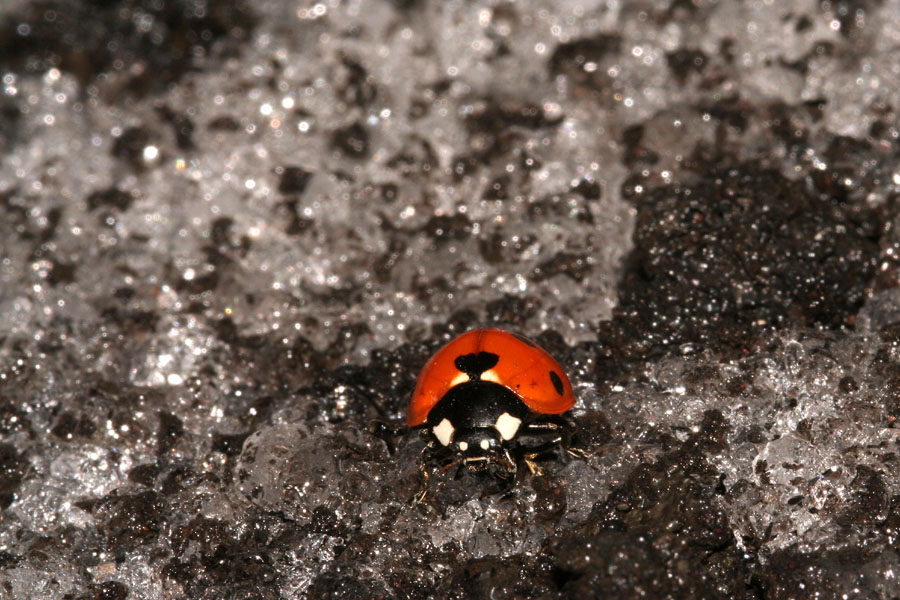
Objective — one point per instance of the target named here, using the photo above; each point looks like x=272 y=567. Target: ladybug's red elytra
x=480 y=397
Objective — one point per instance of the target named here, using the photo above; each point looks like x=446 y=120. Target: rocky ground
x=232 y=232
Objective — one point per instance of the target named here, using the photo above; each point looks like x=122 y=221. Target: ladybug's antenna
x=474 y=365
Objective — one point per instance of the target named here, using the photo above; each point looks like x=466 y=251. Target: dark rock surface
x=231 y=233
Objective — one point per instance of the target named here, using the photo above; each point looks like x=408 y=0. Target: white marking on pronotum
x=490 y=375
x=464 y=446
x=485 y=444
x=507 y=426
x=443 y=431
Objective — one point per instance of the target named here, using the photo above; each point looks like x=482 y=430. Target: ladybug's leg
x=474 y=462
x=532 y=466
x=425 y=456
x=511 y=467
x=423 y=488
x=569 y=428
x=561 y=429
x=507 y=476
x=530 y=454
x=425 y=478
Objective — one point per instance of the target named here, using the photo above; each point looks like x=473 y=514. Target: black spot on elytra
x=474 y=365
x=524 y=340
x=557 y=383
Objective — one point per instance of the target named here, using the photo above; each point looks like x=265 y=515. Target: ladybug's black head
x=477 y=420
x=475 y=443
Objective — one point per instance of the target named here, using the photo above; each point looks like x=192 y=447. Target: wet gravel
x=231 y=234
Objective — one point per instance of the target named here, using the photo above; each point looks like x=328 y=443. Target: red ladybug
x=490 y=397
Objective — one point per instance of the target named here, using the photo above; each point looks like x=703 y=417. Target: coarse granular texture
x=231 y=233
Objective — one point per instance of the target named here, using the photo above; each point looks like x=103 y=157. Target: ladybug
x=491 y=397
